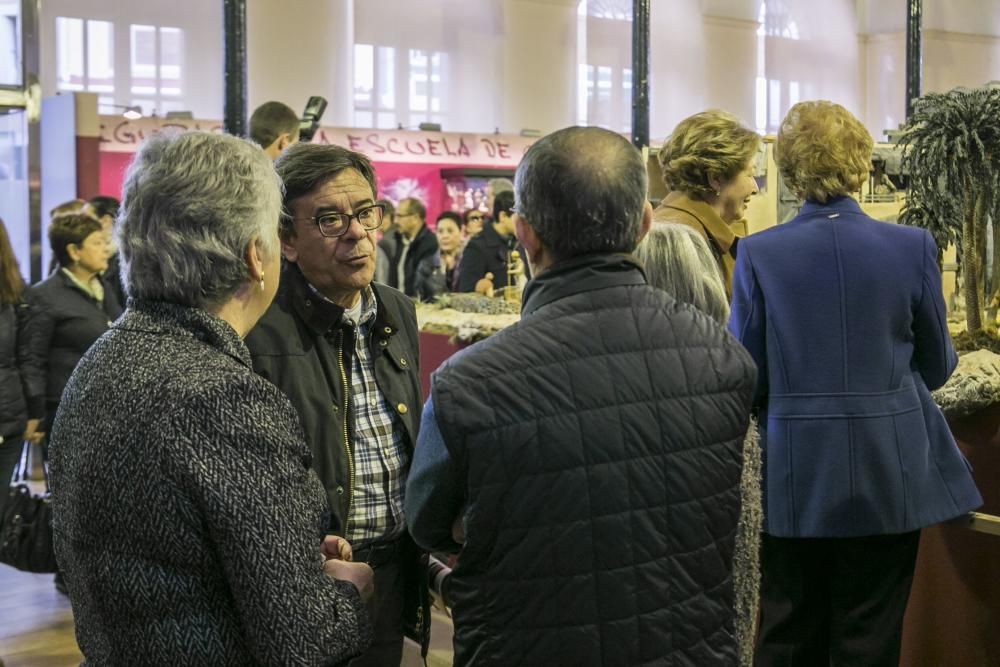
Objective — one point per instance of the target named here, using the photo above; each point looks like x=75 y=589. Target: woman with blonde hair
x=678 y=260
x=845 y=318
x=708 y=167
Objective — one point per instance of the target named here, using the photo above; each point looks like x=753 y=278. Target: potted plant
x=951 y=152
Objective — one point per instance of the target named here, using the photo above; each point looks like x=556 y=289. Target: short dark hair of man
x=503 y=203
x=303 y=167
x=415 y=205
x=103 y=205
x=272 y=119
x=70 y=228
x=450 y=215
x=583 y=191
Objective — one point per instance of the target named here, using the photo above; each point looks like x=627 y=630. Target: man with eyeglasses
x=416 y=252
x=487 y=254
x=344 y=350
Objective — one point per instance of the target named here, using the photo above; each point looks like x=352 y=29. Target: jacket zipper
x=347 y=444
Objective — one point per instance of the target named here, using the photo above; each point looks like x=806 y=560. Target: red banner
x=119 y=135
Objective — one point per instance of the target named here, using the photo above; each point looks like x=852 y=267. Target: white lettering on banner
x=119 y=135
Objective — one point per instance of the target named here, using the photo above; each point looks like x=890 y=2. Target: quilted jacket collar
x=581 y=274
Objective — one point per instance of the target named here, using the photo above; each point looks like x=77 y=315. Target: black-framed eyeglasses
x=335 y=224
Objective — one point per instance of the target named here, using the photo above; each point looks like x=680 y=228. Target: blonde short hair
x=679 y=262
x=707 y=145
x=822 y=151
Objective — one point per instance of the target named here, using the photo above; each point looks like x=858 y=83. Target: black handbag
x=26 y=530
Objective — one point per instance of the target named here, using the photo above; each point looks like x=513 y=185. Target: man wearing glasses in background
x=344 y=350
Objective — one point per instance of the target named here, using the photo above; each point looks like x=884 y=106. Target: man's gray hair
x=191 y=204
x=679 y=261
x=583 y=191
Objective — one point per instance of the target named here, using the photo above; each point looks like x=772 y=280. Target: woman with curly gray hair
x=708 y=167
x=186 y=515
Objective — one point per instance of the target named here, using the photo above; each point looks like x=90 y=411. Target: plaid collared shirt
x=380 y=459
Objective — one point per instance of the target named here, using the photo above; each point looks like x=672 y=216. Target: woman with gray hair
x=678 y=260
x=186 y=515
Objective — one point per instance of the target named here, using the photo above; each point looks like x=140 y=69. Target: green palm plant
x=951 y=152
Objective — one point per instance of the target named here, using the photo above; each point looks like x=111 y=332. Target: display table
x=445 y=331
x=953 y=616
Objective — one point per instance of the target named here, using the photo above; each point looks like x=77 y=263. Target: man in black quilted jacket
x=586 y=461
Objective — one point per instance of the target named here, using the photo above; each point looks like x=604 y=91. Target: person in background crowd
x=105 y=209
x=344 y=350
x=387 y=241
x=275 y=127
x=677 y=259
x=845 y=318
x=21 y=404
x=495 y=186
x=448 y=229
x=415 y=257
x=71 y=206
x=584 y=452
x=486 y=255
x=165 y=418
x=472 y=222
x=708 y=167
x=70 y=309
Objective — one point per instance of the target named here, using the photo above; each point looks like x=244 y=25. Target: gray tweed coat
x=186 y=516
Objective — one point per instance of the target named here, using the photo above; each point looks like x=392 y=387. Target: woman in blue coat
x=845 y=318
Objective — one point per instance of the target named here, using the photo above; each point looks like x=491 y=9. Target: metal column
x=31 y=60
x=640 y=73
x=235 y=34
x=914 y=53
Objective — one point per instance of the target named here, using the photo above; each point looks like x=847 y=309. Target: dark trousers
x=387 y=648
x=837 y=601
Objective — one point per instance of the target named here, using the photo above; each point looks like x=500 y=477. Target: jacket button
x=387 y=330
x=340 y=490
x=402 y=409
x=308 y=303
x=383 y=342
x=336 y=408
x=402 y=362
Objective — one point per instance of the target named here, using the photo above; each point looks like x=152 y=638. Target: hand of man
x=31 y=432
x=359 y=574
x=484 y=286
x=336 y=548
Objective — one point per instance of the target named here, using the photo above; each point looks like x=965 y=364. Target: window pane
x=386 y=77
x=362 y=118
x=364 y=76
x=387 y=120
x=10 y=44
x=69 y=53
x=143 y=58
x=418 y=81
x=171 y=60
x=101 y=56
